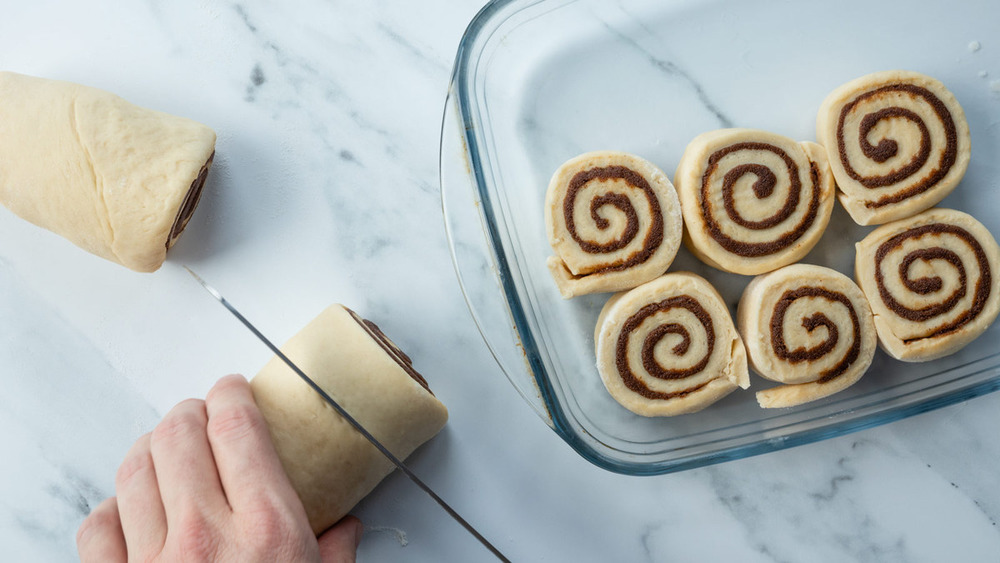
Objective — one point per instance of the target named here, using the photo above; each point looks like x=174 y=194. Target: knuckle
x=100 y=522
x=90 y=525
x=195 y=538
x=85 y=530
x=271 y=522
x=185 y=419
x=235 y=422
x=135 y=462
x=269 y=527
x=226 y=385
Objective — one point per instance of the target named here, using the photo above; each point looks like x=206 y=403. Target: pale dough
x=676 y=340
x=898 y=143
x=809 y=327
x=912 y=271
x=115 y=179
x=614 y=222
x=330 y=464
x=753 y=201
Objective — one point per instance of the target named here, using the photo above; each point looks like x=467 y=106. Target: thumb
x=339 y=544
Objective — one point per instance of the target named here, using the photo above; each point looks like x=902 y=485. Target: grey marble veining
x=672 y=69
x=67 y=418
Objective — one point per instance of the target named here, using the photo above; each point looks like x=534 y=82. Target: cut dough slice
x=330 y=464
x=115 y=179
x=614 y=222
x=809 y=327
x=753 y=201
x=669 y=347
x=898 y=143
x=931 y=281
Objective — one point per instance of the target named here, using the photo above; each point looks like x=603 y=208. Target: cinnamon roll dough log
x=753 y=201
x=898 y=143
x=669 y=347
x=115 y=179
x=614 y=222
x=331 y=465
x=932 y=282
x=809 y=327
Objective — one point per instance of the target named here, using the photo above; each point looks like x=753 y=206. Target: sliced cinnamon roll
x=614 y=222
x=669 y=347
x=753 y=201
x=931 y=280
x=354 y=362
x=897 y=141
x=809 y=327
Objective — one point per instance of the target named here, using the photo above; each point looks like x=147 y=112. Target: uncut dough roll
x=898 y=143
x=115 y=179
x=753 y=201
x=931 y=280
x=809 y=327
x=330 y=464
x=614 y=222
x=669 y=347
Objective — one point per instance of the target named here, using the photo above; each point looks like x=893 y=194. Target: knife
x=350 y=419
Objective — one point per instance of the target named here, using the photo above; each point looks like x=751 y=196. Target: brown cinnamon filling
x=649 y=362
x=390 y=348
x=928 y=285
x=654 y=236
x=887 y=148
x=811 y=323
x=190 y=202
x=762 y=187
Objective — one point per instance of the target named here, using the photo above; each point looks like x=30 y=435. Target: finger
x=248 y=464
x=143 y=520
x=340 y=543
x=100 y=538
x=185 y=466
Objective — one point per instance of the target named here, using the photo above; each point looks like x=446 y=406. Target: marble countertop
x=325 y=190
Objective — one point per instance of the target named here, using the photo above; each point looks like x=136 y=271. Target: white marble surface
x=325 y=189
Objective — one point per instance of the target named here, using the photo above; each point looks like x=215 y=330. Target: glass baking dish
x=537 y=82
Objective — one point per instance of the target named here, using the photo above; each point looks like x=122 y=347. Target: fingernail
x=359 y=530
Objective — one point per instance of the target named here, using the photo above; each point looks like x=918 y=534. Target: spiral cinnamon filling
x=888 y=148
x=649 y=362
x=763 y=187
x=390 y=348
x=653 y=236
x=190 y=202
x=811 y=323
x=926 y=285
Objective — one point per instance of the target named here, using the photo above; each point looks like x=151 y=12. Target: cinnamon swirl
x=753 y=201
x=898 y=143
x=931 y=280
x=809 y=327
x=669 y=347
x=614 y=222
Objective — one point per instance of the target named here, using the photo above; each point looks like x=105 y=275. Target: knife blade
x=349 y=419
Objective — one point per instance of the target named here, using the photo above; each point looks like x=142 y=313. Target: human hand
x=207 y=485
